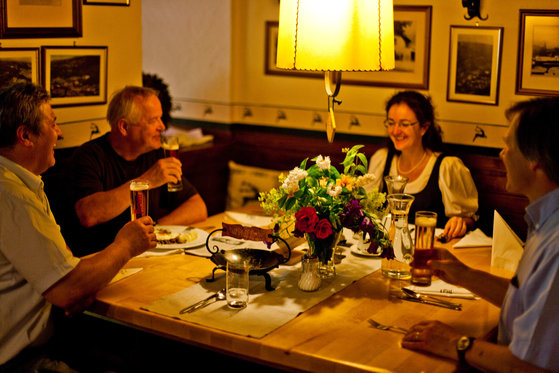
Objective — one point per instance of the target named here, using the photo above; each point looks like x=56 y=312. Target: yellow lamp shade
x=336 y=35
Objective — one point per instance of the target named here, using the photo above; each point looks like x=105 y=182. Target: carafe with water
x=399 y=268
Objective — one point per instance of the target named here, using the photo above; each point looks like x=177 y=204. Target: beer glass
x=425 y=223
x=139 y=198
x=170 y=145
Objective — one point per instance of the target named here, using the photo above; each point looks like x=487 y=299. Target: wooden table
x=333 y=336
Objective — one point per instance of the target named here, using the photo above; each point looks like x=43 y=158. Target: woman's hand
x=457 y=226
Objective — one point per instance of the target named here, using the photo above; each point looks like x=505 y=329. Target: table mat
x=266 y=310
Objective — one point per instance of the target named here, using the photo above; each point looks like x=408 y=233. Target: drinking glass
x=425 y=223
x=237 y=284
x=395 y=184
x=139 y=198
x=170 y=145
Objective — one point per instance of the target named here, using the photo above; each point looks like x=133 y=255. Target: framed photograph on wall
x=75 y=75
x=19 y=65
x=474 y=64
x=412 y=38
x=538 y=53
x=40 y=19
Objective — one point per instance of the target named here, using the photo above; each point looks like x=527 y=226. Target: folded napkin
x=159 y=252
x=474 y=238
x=507 y=246
x=442 y=289
x=250 y=220
x=125 y=272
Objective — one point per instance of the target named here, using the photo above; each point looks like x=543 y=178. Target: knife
x=414 y=294
x=456 y=307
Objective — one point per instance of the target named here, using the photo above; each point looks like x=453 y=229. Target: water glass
x=237 y=284
x=425 y=224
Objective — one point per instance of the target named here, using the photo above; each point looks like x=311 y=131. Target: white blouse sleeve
x=458 y=189
x=376 y=167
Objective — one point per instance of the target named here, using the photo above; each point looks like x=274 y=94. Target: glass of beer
x=139 y=198
x=425 y=223
x=170 y=145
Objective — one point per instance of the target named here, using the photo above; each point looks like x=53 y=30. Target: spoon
x=220 y=295
x=418 y=296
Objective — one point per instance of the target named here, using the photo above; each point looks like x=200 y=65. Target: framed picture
x=412 y=38
x=538 y=53
x=107 y=2
x=19 y=65
x=40 y=19
x=474 y=64
x=75 y=75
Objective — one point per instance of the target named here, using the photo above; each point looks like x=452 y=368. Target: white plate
x=198 y=241
x=356 y=251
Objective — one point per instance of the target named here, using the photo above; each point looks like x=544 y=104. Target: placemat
x=267 y=310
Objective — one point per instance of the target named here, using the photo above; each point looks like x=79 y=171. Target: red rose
x=306 y=219
x=323 y=229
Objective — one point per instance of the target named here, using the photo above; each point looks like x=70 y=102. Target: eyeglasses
x=403 y=123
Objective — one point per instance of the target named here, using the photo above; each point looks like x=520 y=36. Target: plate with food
x=179 y=237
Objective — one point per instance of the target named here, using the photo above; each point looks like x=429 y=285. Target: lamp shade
x=336 y=35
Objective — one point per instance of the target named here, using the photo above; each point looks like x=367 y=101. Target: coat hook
x=354 y=121
x=479 y=132
x=473 y=9
x=208 y=110
x=247 y=113
x=317 y=118
x=281 y=115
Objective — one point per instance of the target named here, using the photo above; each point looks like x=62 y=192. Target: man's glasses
x=403 y=123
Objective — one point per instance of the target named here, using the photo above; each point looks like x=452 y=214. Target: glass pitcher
x=399 y=268
x=394 y=185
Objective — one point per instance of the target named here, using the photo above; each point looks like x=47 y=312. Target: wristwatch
x=462 y=345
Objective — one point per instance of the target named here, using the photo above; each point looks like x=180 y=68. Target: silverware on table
x=413 y=294
x=220 y=295
x=391 y=328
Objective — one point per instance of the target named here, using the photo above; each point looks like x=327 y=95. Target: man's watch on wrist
x=463 y=344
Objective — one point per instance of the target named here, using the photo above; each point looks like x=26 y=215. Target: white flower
x=334 y=190
x=291 y=183
x=365 y=180
x=323 y=163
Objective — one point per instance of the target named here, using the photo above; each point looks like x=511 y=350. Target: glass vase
x=399 y=267
x=324 y=249
x=309 y=278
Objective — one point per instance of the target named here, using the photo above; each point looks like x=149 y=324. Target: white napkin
x=507 y=247
x=443 y=289
x=250 y=220
x=159 y=252
x=474 y=238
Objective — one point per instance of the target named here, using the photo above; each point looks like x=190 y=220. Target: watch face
x=463 y=343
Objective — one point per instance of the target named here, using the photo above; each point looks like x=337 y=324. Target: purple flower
x=352 y=215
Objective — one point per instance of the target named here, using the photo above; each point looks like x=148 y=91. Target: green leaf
x=290 y=203
x=304 y=164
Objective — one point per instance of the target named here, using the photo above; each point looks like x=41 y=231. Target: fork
x=392 y=328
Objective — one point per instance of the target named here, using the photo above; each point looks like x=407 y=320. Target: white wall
x=118 y=28
x=200 y=93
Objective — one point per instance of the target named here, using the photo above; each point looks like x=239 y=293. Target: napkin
x=159 y=252
x=474 y=238
x=250 y=220
x=443 y=289
x=125 y=272
x=507 y=247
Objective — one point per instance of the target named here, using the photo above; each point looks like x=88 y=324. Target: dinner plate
x=179 y=229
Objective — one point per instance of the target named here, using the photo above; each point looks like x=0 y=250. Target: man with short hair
x=528 y=328
x=101 y=171
x=37 y=269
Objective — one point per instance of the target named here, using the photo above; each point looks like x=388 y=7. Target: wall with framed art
x=261 y=94
x=81 y=51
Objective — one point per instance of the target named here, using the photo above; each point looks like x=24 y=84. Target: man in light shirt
x=528 y=328
x=37 y=269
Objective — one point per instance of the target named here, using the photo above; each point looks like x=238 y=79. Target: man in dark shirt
x=101 y=171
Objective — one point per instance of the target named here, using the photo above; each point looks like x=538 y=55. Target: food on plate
x=166 y=236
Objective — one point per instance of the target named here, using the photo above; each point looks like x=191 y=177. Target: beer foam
x=426 y=221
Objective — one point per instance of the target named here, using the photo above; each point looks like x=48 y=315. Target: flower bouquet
x=319 y=201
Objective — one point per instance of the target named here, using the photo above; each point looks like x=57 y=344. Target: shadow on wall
x=155 y=82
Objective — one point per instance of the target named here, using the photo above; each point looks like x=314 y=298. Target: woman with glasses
x=439 y=182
